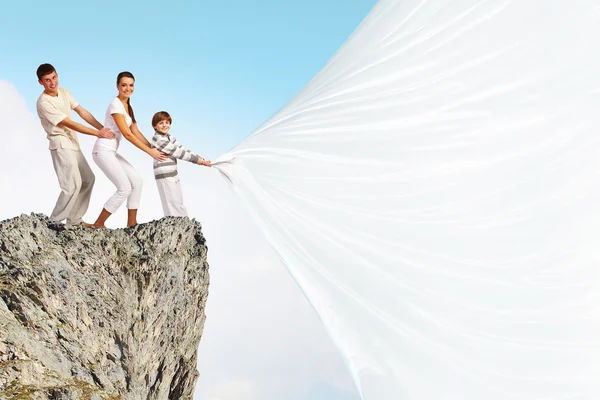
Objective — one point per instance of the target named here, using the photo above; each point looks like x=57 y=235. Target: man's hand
x=105 y=133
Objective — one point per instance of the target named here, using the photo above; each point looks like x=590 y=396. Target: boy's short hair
x=44 y=69
x=161 y=116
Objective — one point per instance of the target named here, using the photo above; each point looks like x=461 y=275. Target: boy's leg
x=163 y=188
x=69 y=179
x=171 y=197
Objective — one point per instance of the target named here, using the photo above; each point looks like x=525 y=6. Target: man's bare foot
x=82 y=223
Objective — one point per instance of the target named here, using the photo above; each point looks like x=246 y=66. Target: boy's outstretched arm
x=174 y=149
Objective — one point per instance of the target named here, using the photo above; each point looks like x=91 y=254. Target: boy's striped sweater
x=170 y=146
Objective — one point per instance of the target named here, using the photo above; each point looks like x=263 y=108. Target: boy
x=165 y=172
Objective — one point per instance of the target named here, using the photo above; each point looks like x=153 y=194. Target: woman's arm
x=130 y=136
x=139 y=135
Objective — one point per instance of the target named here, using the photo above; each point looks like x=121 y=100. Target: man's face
x=49 y=82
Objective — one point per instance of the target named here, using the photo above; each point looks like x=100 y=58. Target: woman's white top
x=115 y=107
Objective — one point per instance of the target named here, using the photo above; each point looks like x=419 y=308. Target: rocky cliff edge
x=100 y=314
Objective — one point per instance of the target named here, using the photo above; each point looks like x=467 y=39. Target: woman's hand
x=157 y=154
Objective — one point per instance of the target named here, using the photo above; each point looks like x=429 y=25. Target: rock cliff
x=100 y=314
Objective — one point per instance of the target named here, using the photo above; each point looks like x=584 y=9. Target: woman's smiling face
x=125 y=87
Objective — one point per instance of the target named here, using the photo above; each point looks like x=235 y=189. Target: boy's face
x=163 y=127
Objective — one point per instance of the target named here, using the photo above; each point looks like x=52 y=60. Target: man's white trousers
x=76 y=181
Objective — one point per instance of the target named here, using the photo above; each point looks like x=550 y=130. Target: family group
x=75 y=176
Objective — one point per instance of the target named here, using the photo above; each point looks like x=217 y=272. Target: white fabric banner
x=435 y=192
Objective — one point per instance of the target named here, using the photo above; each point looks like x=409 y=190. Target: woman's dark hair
x=127 y=74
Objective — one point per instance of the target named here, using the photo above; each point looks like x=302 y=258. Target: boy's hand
x=204 y=162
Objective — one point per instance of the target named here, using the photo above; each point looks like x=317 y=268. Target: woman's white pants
x=125 y=178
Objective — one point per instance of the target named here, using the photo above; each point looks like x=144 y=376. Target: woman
x=120 y=119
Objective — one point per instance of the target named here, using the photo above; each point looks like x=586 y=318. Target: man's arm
x=76 y=126
x=88 y=117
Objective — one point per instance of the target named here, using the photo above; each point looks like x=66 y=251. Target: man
x=75 y=177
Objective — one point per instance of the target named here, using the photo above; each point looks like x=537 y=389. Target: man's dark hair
x=44 y=69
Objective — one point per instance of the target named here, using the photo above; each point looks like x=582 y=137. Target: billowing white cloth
x=435 y=192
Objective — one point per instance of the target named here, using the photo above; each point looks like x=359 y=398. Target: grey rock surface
x=100 y=314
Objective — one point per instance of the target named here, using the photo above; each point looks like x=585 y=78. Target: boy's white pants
x=76 y=181
x=125 y=178
x=171 y=196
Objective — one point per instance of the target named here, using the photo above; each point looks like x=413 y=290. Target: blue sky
x=221 y=69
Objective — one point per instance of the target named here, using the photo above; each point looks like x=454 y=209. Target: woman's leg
x=136 y=183
x=101 y=220
x=108 y=162
x=131 y=217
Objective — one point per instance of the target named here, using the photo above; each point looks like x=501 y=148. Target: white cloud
x=27 y=179
x=234 y=390
x=262 y=339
